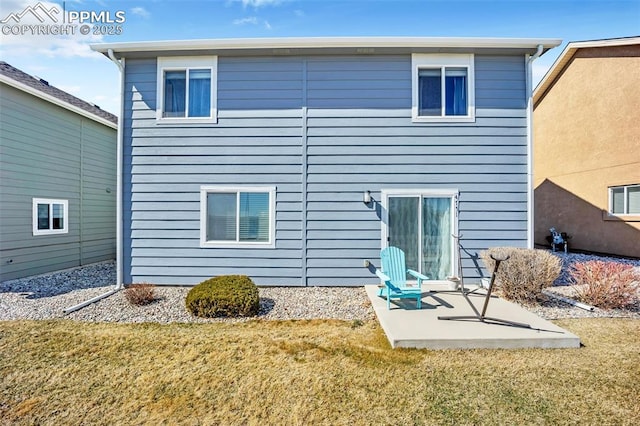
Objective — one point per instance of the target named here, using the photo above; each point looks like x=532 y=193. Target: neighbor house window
x=187 y=88
x=624 y=200
x=50 y=216
x=443 y=88
x=237 y=216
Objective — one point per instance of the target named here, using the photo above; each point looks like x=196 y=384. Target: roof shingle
x=44 y=87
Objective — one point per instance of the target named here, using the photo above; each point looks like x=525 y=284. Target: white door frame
x=421 y=193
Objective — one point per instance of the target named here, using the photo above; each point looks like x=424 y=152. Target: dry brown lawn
x=307 y=372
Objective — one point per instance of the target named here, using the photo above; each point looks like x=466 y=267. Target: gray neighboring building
x=58 y=178
x=294 y=161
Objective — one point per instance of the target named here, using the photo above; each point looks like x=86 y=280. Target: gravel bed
x=556 y=309
x=45 y=297
x=569 y=259
x=276 y=303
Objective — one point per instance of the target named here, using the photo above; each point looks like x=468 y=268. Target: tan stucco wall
x=586 y=139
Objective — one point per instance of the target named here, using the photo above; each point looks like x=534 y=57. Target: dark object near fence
x=558 y=240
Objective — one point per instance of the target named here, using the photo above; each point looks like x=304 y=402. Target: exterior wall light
x=366 y=197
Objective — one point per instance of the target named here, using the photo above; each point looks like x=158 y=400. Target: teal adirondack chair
x=394 y=277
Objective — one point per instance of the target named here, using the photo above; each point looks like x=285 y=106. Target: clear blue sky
x=67 y=62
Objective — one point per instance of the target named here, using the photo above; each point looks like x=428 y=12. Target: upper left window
x=187 y=88
x=50 y=216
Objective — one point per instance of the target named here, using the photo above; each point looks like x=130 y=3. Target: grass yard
x=307 y=372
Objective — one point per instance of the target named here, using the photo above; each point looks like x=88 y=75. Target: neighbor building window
x=624 y=200
x=443 y=88
x=187 y=88
x=50 y=216
x=237 y=216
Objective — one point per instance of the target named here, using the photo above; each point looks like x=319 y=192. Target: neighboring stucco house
x=58 y=178
x=294 y=161
x=587 y=147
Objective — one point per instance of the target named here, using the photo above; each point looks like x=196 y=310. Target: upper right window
x=624 y=200
x=443 y=88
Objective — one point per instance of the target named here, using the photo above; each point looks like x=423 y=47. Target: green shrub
x=525 y=274
x=607 y=285
x=224 y=296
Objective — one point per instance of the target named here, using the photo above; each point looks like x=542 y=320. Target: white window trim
x=205 y=189
x=181 y=63
x=50 y=202
x=424 y=60
x=625 y=200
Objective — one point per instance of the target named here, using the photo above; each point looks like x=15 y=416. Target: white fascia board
x=626 y=41
x=327 y=43
x=56 y=101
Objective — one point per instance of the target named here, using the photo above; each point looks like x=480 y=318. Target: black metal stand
x=460 y=277
x=481 y=316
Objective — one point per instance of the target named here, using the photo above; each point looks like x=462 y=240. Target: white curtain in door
x=436 y=237
x=403 y=227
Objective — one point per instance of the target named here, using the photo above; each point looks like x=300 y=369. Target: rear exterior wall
x=322 y=130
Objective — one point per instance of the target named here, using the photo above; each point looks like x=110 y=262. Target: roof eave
x=565 y=57
x=52 y=99
x=324 y=43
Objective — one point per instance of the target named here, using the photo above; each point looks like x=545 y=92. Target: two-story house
x=294 y=161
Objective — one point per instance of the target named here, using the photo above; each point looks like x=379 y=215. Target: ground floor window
x=50 y=216
x=624 y=200
x=236 y=216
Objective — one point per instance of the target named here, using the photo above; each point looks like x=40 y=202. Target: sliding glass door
x=422 y=223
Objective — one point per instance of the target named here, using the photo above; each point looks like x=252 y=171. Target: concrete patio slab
x=408 y=327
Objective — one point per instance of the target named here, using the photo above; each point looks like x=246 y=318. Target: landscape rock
x=46 y=296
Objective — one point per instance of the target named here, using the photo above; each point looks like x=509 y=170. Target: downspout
x=119 y=282
x=530 y=201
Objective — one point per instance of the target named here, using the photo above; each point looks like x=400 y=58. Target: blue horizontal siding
x=322 y=130
x=259 y=83
x=166 y=166
x=500 y=82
